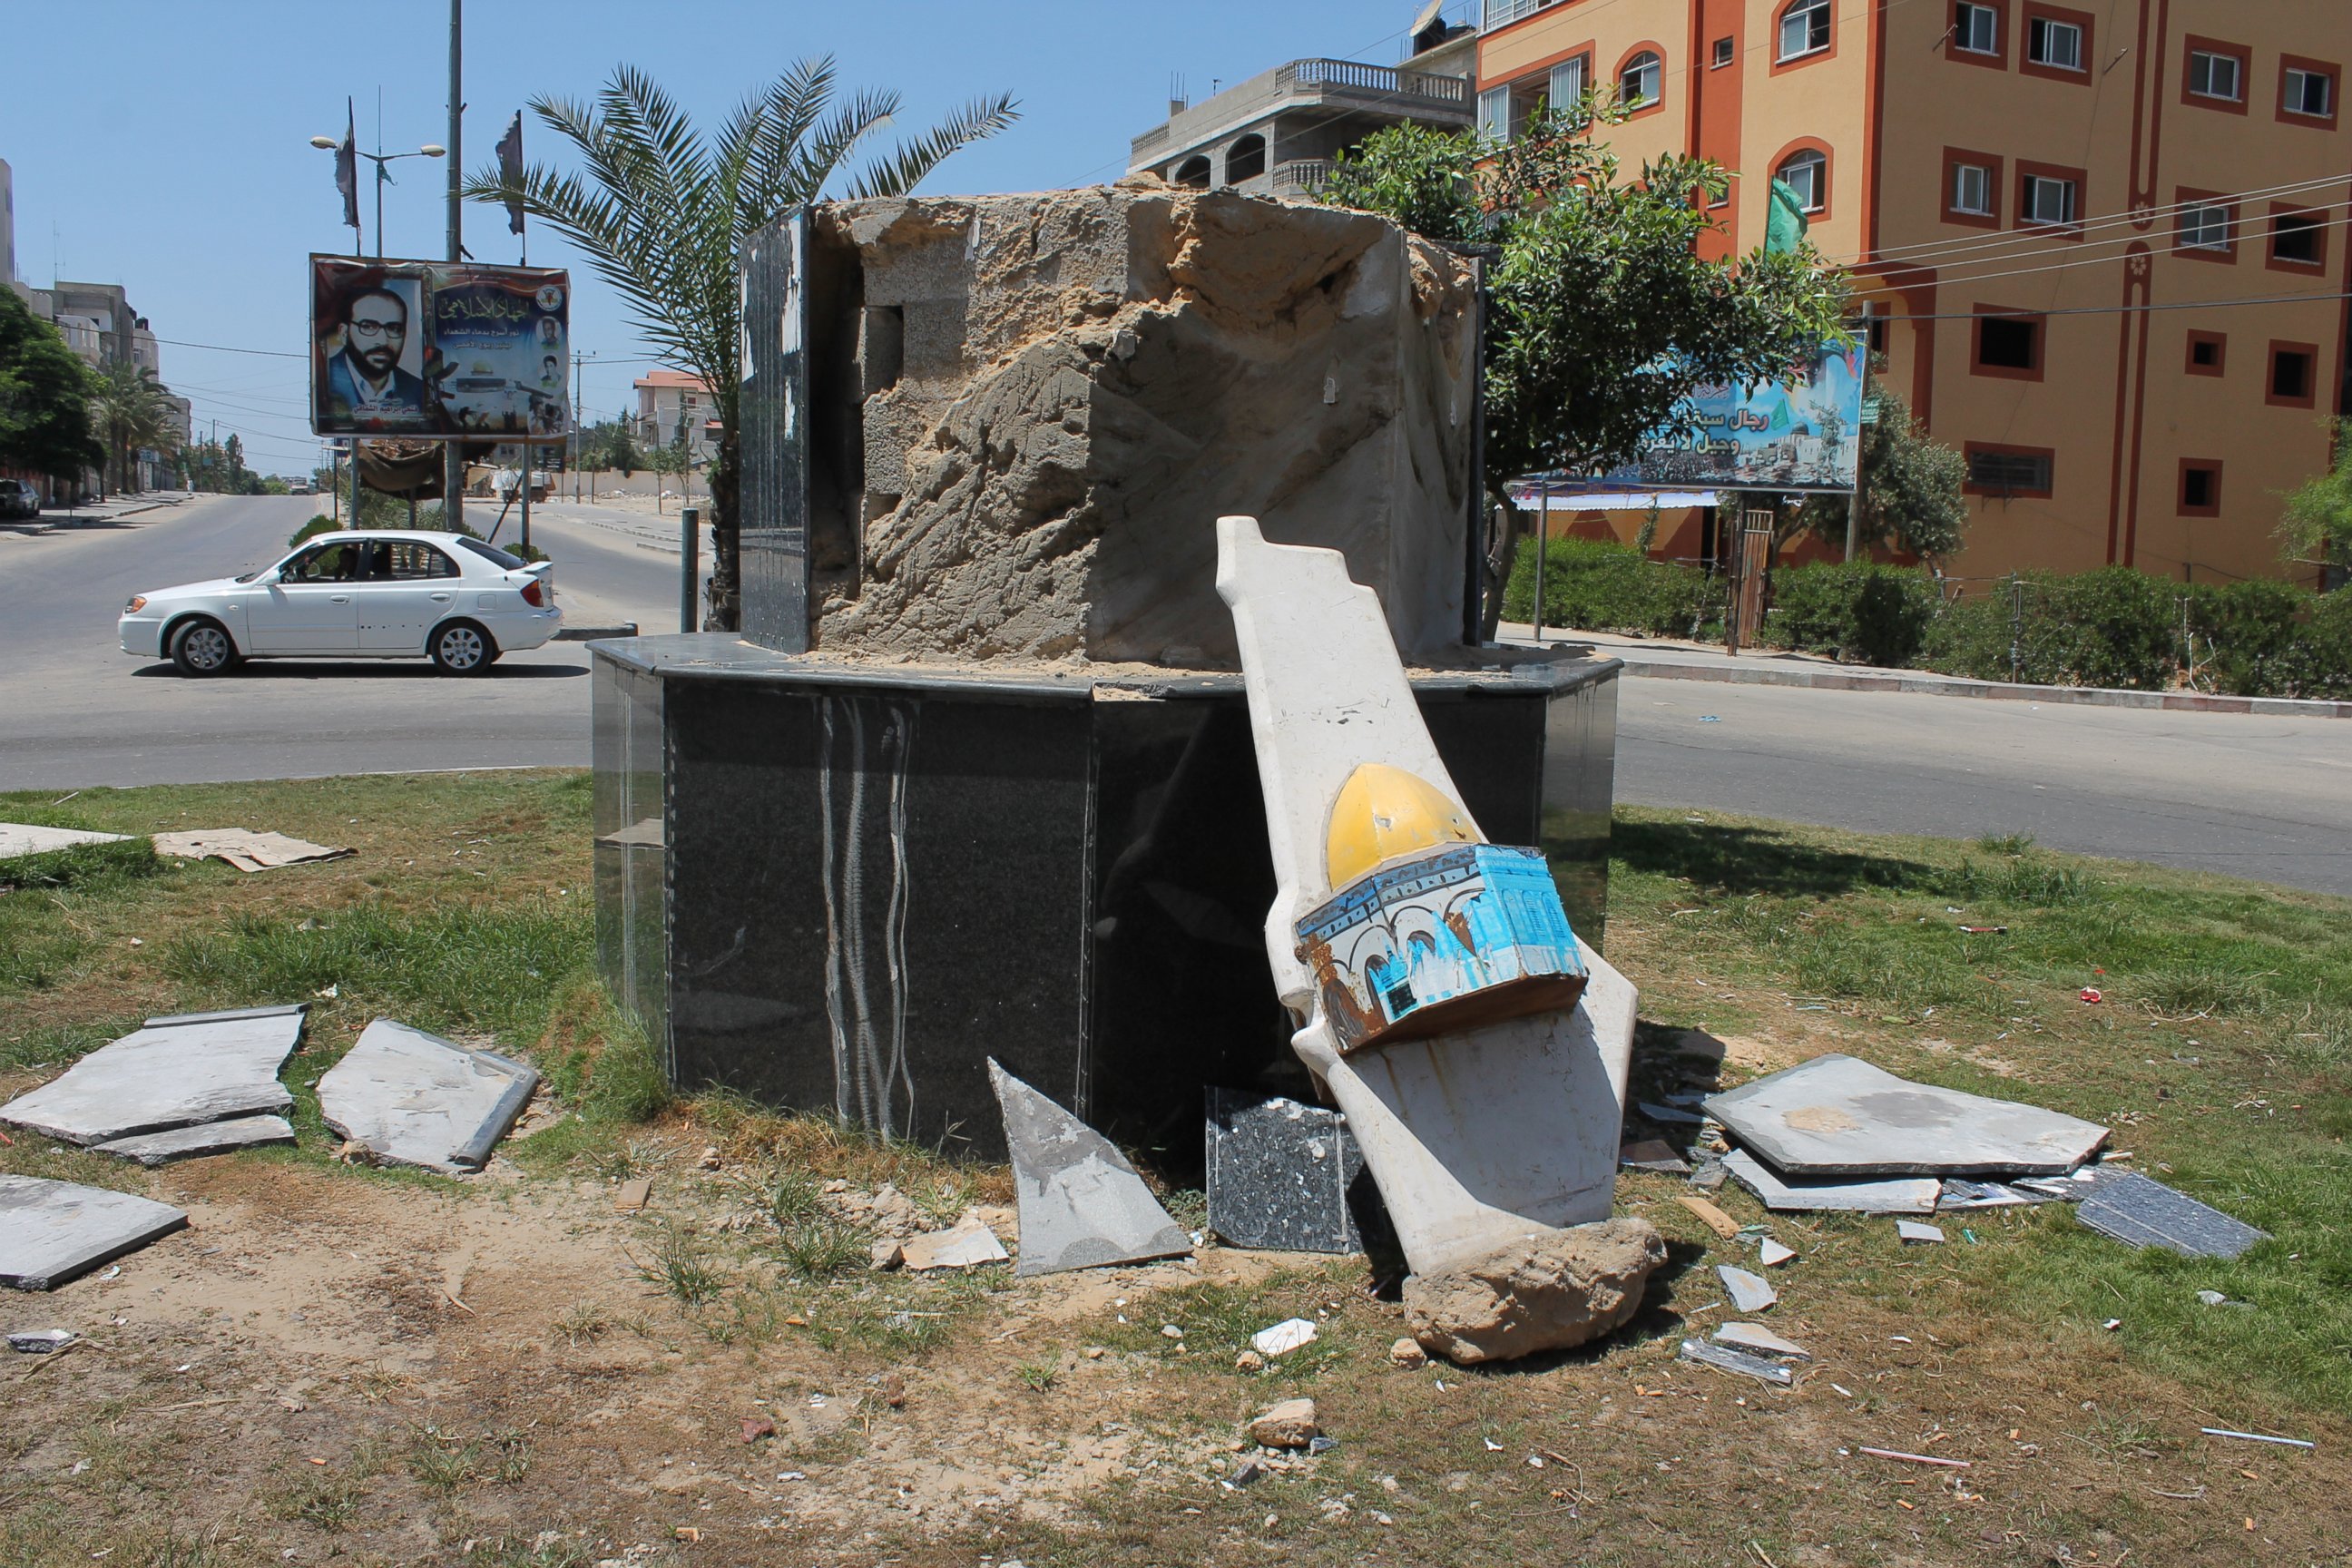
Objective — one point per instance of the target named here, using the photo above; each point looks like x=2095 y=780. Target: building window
x=1976 y=29
x=2294 y=375
x=1192 y=172
x=2308 y=92
x=1637 y=80
x=2200 y=488
x=1971 y=187
x=2213 y=75
x=2298 y=239
x=2007 y=343
x=1246 y=159
x=2206 y=352
x=2046 y=200
x=1807 y=172
x=1570 y=80
x=2007 y=471
x=1495 y=113
x=1726 y=51
x=1876 y=330
x=1972 y=190
x=2056 y=44
x=1804 y=27
x=2205 y=227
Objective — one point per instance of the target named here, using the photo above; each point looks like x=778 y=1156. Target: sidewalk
x=113 y=509
x=1665 y=659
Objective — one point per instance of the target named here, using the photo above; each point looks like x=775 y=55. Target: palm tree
x=131 y=410
x=661 y=212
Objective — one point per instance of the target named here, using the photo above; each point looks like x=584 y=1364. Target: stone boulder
x=1289 y=1425
x=1552 y=1290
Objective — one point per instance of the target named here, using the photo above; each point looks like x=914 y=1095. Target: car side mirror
x=266 y=578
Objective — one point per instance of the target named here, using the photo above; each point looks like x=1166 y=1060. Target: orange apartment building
x=2053 y=214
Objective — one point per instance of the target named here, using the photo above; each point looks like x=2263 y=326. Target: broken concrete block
x=1082 y=1205
x=1749 y=1292
x=40 y=1342
x=205 y=1138
x=2141 y=1211
x=968 y=1243
x=1555 y=1289
x=1289 y=1425
x=246 y=851
x=1731 y=1361
x=1889 y=1194
x=1408 y=1355
x=1283 y=1337
x=1912 y=1231
x=1838 y=1115
x=886 y=1255
x=193 y=1067
x=51 y=1232
x=26 y=838
x=1280 y=1172
x=633 y=1195
x=414 y=1098
x=1758 y=1340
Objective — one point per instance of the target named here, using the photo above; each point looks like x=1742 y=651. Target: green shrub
x=2114 y=628
x=319 y=524
x=1596 y=587
x=2324 y=666
x=1858 y=611
x=2247 y=636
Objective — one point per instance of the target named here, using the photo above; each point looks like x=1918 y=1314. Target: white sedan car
x=442 y=596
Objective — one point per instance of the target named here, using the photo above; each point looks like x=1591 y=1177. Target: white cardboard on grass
x=1473 y=1137
x=171 y=1073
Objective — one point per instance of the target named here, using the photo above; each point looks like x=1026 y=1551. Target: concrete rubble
x=1749 y=1292
x=1556 y=1290
x=171 y=1073
x=1081 y=1203
x=206 y=1137
x=408 y=1098
x=53 y=1232
x=1288 y=1424
x=967 y=1243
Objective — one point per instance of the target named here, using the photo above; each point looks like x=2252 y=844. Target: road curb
x=1995 y=690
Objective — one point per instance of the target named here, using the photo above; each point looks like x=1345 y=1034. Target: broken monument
x=53 y=1232
x=1081 y=1203
x=413 y=1099
x=172 y=1072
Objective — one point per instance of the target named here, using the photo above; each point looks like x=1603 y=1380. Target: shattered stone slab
x=1758 y=1340
x=1081 y=1203
x=173 y=1072
x=205 y=1138
x=28 y=839
x=52 y=1232
x=1838 y=1115
x=1652 y=1154
x=245 y=850
x=1725 y=1360
x=2141 y=1211
x=1901 y=1194
x=1912 y=1231
x=968 y=1243
x=414 y=1098
x=1278 y=1174
x=1749 y=1292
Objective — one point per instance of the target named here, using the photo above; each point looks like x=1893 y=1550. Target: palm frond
x=905 y=168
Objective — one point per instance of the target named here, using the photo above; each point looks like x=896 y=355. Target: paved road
x=2260 y=798
x=75 y=712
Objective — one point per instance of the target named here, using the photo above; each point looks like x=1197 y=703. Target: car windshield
x=491 y=553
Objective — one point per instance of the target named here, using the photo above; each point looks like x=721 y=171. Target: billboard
x=440 y=348
x=1796 y=434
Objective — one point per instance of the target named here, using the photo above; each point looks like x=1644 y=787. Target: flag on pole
x=511 y=172
x=347 y=167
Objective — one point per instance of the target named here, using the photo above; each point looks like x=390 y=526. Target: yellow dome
x=1384 y=812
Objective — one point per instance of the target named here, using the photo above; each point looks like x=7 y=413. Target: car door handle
x=440 y=598
x=339 y=598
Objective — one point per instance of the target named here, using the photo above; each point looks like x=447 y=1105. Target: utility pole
x=1853 y=496
x=453 y=456
x=579 y=448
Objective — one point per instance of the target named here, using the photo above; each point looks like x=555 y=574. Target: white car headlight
x=137 y=602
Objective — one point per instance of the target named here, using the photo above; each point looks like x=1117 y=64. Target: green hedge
x=1595 y=586
x=1862 y=612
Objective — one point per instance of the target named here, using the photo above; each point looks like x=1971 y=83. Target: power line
x=1928 y=250
x=2111 y=310
x=2082 y=261
x=226 y=349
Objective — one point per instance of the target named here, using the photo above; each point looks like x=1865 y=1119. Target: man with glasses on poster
x=366 y=388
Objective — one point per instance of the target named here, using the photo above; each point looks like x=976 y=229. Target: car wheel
x=203 y=648
x=461 y=647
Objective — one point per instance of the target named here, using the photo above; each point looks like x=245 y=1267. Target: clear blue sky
x=168 y=148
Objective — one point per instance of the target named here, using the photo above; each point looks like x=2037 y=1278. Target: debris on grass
x=967 y=1243
x=1731 y=1361
x=1749 y=1292
x=1283 y=1337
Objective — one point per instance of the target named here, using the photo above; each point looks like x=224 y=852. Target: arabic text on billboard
x=433 y=348
x=1802 y=433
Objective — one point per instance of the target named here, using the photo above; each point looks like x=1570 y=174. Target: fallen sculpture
x=173 y=1072
x=1488 y=1113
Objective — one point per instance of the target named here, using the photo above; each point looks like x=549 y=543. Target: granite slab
x=51 y=1232
x=1838 y=1115
x=1726 y=1360
x=1081 y=1203
x=1278 y=1174
x=1912 y=1194
x=205 y=1138
x=172 y=1072
x=2143 y=1212
x=414 y=1099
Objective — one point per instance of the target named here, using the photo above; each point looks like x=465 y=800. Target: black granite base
x=872 y=878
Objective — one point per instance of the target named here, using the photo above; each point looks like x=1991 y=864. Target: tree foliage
x=45 y=414
x=2315 y=529
x=660 y=210
x=131 y=412
x=1602 y=318
x=1911 y=496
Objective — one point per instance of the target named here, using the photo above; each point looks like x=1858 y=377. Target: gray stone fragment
x=205 y=1138
x=51 y=1232
x=968 y=1243
x=1749 y=1292
x=25 y=838
x=1760 y=1339
x=40 y=1342
x=2143 y=1212
x=1082 y=1205
x=1912 y=1231
x=1893 y=1194
x=202 y=1066
x=1552 y=1290
x=1838 y=1115
x=1732 y=1361
x=1278 y=1174
x=414 y=1098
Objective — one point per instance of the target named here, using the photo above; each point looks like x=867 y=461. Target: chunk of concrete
x=28 y=839
x=1550 y=1290
x=968 y=1243
x=1081 y=1203
x=174 y=1071
x=1280 y=1339
x=1289 y=1425
x=1726 y=1360
x=1772 y=1254
x=1838 y=1115
x=244 y=849
x=2141 y=1211
x=414 y=1098
x=1749 y=1292
x=1912 y=1232
x=51 y=1232
x=1280 y=1172
x=1758 y=1340
x=1893 y=1194
x=205 y=1138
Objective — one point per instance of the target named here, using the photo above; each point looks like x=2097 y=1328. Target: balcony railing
x=1304 y=176
x=1384 y=81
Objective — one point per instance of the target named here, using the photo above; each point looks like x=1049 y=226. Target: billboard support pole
x=453 y=453
x=355 y=484
x=1543 y=538
x=525 y=551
